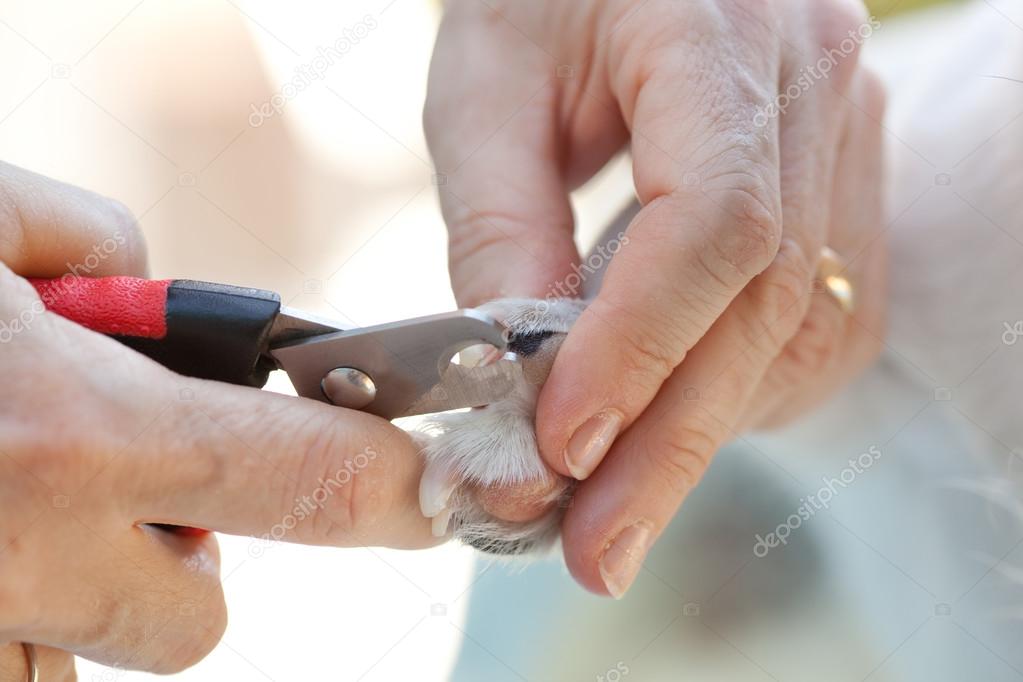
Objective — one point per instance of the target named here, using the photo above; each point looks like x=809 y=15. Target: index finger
x=248 y=462
x=708 y=179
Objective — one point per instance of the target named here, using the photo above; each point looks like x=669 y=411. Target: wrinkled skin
x=97 y=440
x=707 y=323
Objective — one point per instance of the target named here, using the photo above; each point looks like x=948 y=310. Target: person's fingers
x=833 y=346
x=80 y=575
x=703 y=404
x=705 y=231
x=246 y=462
x=49 y=228
x=808 y=171
x=621 y=509
x=189 y=452
x=708 y=179
x=53 y=665
x=162 y=599
x=131 y=597
x=498 y=159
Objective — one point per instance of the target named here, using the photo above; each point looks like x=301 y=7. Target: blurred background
x=330 y=201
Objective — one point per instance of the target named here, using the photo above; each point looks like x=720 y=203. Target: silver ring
x=30 y=659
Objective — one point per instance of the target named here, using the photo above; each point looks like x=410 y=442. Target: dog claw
x=439 y=525
x=435 y=487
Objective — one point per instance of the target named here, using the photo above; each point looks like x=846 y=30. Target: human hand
x=99 y=441
x=705 y=324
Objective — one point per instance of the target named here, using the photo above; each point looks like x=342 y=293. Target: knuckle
x=749 y=232
x=479 y=239
x=789 y=284
x=196 y=642
x=782 y=292
x=30 y=204
x=650 y=348
x=346 y=496
x=54 y=455
x=815 y=346
x=473 y=234
x=681 y=452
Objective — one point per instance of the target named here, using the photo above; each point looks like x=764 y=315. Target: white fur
x=496 y=445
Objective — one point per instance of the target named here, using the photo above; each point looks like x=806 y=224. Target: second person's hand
x=755 y=143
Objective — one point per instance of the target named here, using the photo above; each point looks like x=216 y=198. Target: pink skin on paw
x=521 y=502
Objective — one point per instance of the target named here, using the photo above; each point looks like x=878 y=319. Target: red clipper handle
x=117 y=306
x=199 y=329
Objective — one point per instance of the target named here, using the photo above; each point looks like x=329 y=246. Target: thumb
x=493 y=135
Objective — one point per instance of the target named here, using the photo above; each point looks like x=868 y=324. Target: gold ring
x=831 y=272
x=30 y=659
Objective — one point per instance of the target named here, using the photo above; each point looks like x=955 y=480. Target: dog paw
x=473 y=458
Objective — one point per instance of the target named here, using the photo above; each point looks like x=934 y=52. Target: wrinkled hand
x=755 y=142
x=98 y=441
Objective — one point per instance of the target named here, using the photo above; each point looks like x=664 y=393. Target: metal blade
x=292 y=325
x=470 y=387
x=405 y=361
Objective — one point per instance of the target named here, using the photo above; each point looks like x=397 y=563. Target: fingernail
x=624 y=557
x=591 y=441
